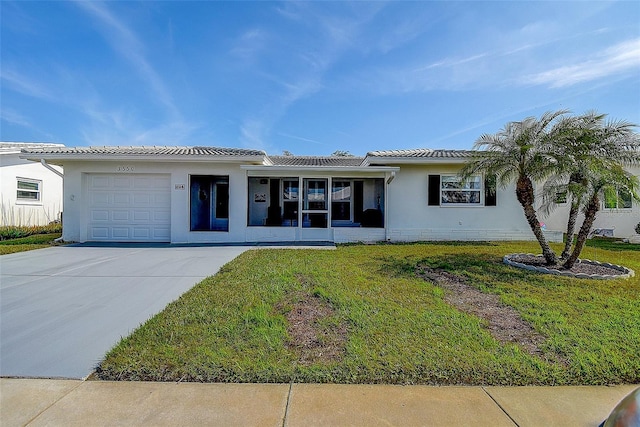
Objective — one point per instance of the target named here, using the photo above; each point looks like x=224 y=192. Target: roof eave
x=359 y=169
x=62 y=158
x=414 y=160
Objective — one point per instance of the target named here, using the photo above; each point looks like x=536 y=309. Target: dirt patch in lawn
x=504 y=322
x=315 y=331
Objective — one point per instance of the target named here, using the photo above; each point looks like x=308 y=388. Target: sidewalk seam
x=286 y=408
x=500 y=406
x=50 y=406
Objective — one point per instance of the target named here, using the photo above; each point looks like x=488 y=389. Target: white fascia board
x=253 y=169
x=415 y=161
x=61 y=159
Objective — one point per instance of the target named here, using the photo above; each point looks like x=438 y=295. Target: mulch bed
x=578 y=267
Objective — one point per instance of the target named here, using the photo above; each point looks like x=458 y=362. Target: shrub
x=16 y=232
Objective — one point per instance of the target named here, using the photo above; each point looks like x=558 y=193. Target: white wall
x=621 y=221
x=19 y=212
x=74 y=221
x=409 y=218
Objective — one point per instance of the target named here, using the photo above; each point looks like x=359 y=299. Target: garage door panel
x=129 y=208
x=121 y=198
x=144 y=216
x=99 y=215
x=99 y=181
x=163 y=217
x=120 y=215
x=99 y=233
x=99 y=198
x=143 y=233
x=122 y=182
x=142 y=199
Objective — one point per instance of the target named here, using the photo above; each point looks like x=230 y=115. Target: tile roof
x=146 y=151
x=16 y=147
x=421 y=153
x=329 y=161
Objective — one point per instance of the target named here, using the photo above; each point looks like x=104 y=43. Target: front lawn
x=29 y=243
x=360 y=314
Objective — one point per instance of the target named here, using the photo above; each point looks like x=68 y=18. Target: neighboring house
x=618 y=216
x=209 y=195
x=31 y=193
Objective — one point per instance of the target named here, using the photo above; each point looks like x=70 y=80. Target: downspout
x=44 y=163
x=386 y=205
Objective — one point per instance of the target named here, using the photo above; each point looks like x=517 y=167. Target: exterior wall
x=76 y=200
x=621 y=221
x=411 y=219
x=406 y=213
x=19 y=212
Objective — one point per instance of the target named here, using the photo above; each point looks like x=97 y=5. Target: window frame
x=37 y=192
x=618 y=199
x=474 y=179
x=337 y=200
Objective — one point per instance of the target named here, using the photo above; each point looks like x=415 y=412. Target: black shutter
x=434 y=190
x=490 y=191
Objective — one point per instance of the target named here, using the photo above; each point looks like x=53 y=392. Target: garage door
x=129 y=208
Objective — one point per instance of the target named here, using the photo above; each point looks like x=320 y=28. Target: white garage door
x=129 y=208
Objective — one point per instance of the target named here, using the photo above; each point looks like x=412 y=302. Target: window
x=209 y=204
x=450 y=190
x=273 y=202
x=456 y=191
x=560 y=198
x=29 y=190
x=311 y=202
x=620 y=199
x=341 y=201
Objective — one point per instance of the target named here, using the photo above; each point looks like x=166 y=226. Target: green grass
x=10 y=232
x=36 y=241
x=232 y=327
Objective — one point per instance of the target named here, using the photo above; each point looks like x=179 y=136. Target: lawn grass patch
x=233 y=327
x=31 y=242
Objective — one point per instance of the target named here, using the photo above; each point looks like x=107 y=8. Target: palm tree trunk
x=571 y=226
x=589 y=217
x=524 y=192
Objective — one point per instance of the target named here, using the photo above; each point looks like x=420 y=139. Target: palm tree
x=611 y=180
x=517 y=152
x=585 y=149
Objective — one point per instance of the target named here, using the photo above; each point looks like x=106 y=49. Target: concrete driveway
x=63 y=308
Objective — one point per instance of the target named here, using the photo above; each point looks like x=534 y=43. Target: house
x=619 y=215
x=31 y=193
x=210 y=194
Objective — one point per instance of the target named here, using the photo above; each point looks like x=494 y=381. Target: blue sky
x=309 y=77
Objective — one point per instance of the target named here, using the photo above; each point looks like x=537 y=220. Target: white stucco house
x=618 y=216
x=218 y=195
x=31 y=193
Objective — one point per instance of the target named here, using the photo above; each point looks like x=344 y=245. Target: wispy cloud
x=15 y=118
x=328 y=36
x=24 y=85
x=300 y=138
x=124 y=41
x=619 y=59
x=250 y=44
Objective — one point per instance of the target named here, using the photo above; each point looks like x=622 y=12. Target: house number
x=125 y=168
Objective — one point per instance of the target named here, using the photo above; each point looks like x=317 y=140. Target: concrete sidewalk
x=36 y=402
